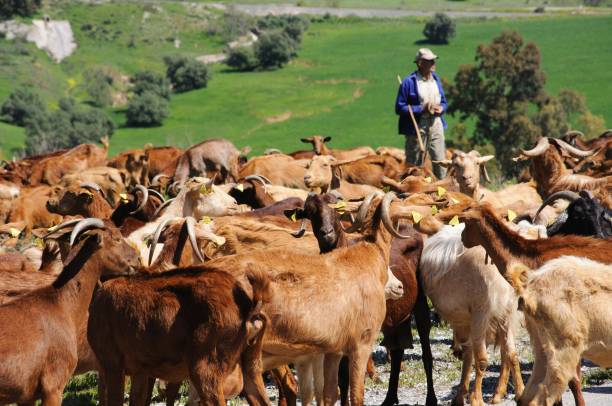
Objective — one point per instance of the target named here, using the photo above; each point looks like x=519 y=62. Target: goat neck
x=547 y=169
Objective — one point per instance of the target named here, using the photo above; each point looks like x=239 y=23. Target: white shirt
x=428 y=89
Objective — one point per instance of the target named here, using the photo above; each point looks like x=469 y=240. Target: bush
x=21 y=105
x=293 y=25
x=146 y=110
x=147 y=81
x=66 y=127
x=24 y=8
x=186 y=73
x=439 y=29
x=274 y=49
x=242 y=58
x=98 y=86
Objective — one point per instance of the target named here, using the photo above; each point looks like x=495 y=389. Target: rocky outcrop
x=54 y=37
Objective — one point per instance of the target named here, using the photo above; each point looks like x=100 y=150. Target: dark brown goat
x=404 y=260
x=184 y=323
x=39 y=364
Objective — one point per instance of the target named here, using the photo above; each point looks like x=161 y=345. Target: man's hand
x=437 y=109
x=428 y=107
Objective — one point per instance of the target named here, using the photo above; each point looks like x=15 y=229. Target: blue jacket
x=408 y=94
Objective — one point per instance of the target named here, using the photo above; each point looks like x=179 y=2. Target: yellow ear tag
x=294 y=216
x=454 y=221
x=240 y=187
x=204 y=190
x=39 y=242
x=441 y=191
x=416 y=217
x=511 y=215
x=87 y=192
x=206 y=220
x=386 y=189
x=427 y=179
x=14 y=232
x=124 y=197
x=455 y=201
x=434 y=210
x=340 y=206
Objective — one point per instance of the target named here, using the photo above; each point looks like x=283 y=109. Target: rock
x=54 y=37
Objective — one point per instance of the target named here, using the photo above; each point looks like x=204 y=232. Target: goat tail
x=517 y=276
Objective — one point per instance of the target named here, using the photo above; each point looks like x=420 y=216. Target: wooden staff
x=416 y=127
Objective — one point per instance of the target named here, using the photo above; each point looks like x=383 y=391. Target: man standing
x=421 y=92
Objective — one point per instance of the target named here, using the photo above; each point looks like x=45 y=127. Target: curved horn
x=174 y=187
x=91 y=185
x=58 y=227
x=259 y=178
x=190 y=223
x=157 y=194
x=573 y=150
x=564 y=194
x=386 y=218
x=83 y=225
x=299 y=233
x=538 y=150
x=361 y=214
x=145 y=197
x=158 y=231
x=156 y=178
x=163 y=206
x=336 y=194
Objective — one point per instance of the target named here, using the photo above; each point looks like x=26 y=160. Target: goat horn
x=361 y=214
x=190 y=223
x=145 y=197
x=386 y=218
x=91 y=185
x=157 y=194
x=300 y=233
x=538 y=150
x=336 y=194
x=573 y=150
x=174 y=186
x=163 y=206
x=158 y=232
x=156 y=178
x=83 y=225
x=564 y=194
x=58 y=227
x=259 y=178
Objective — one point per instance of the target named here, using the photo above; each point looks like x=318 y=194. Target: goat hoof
x=476 y=400
x=497 y=398
x=390 y=401
x=431 y=400
x=457 y=400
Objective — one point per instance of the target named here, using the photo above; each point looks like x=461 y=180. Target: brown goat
x=39 y=364
x=185 y=323
x=216 y=158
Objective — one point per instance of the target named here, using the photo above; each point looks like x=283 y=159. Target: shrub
x=98 y=86
x=186 y=73
x=274 y=49
x=147 y=81
x=66 y=127
x=24 y=8
x=146 y=110
x=439 y=29
x=242 y=58
x=20 y=106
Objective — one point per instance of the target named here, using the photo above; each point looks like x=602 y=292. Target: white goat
x=478 y=303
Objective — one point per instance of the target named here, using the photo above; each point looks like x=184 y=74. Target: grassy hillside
x=343 y=84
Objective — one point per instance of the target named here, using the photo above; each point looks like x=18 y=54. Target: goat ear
x=336 y=175
x=294 y=214
x=327 y=139
x=481 y=160
x=306 y=140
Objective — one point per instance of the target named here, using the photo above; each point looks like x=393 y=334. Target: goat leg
x=423 y=325
x=466 y=369
x=286 y=384
x=396 y=364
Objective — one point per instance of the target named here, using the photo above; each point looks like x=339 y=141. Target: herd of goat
x=202 y=265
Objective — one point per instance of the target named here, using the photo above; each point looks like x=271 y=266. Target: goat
x=478 y=303
x=184 y=323
x=505 y=247
x=319 y=148
x=404 y=258
x=214 y=158
x=566 y=303
x=280 y=169
x=39 y=364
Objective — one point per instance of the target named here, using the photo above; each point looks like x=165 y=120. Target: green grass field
x=343 y=84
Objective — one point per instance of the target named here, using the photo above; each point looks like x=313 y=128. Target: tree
x=20 y=106
x=186 y=73
x=439 y=29
x=273 y=49
x=24 y=8
x=498 y=91
x=98 y=86
x=146 y=110
x=147 y=81
x=241 y=58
